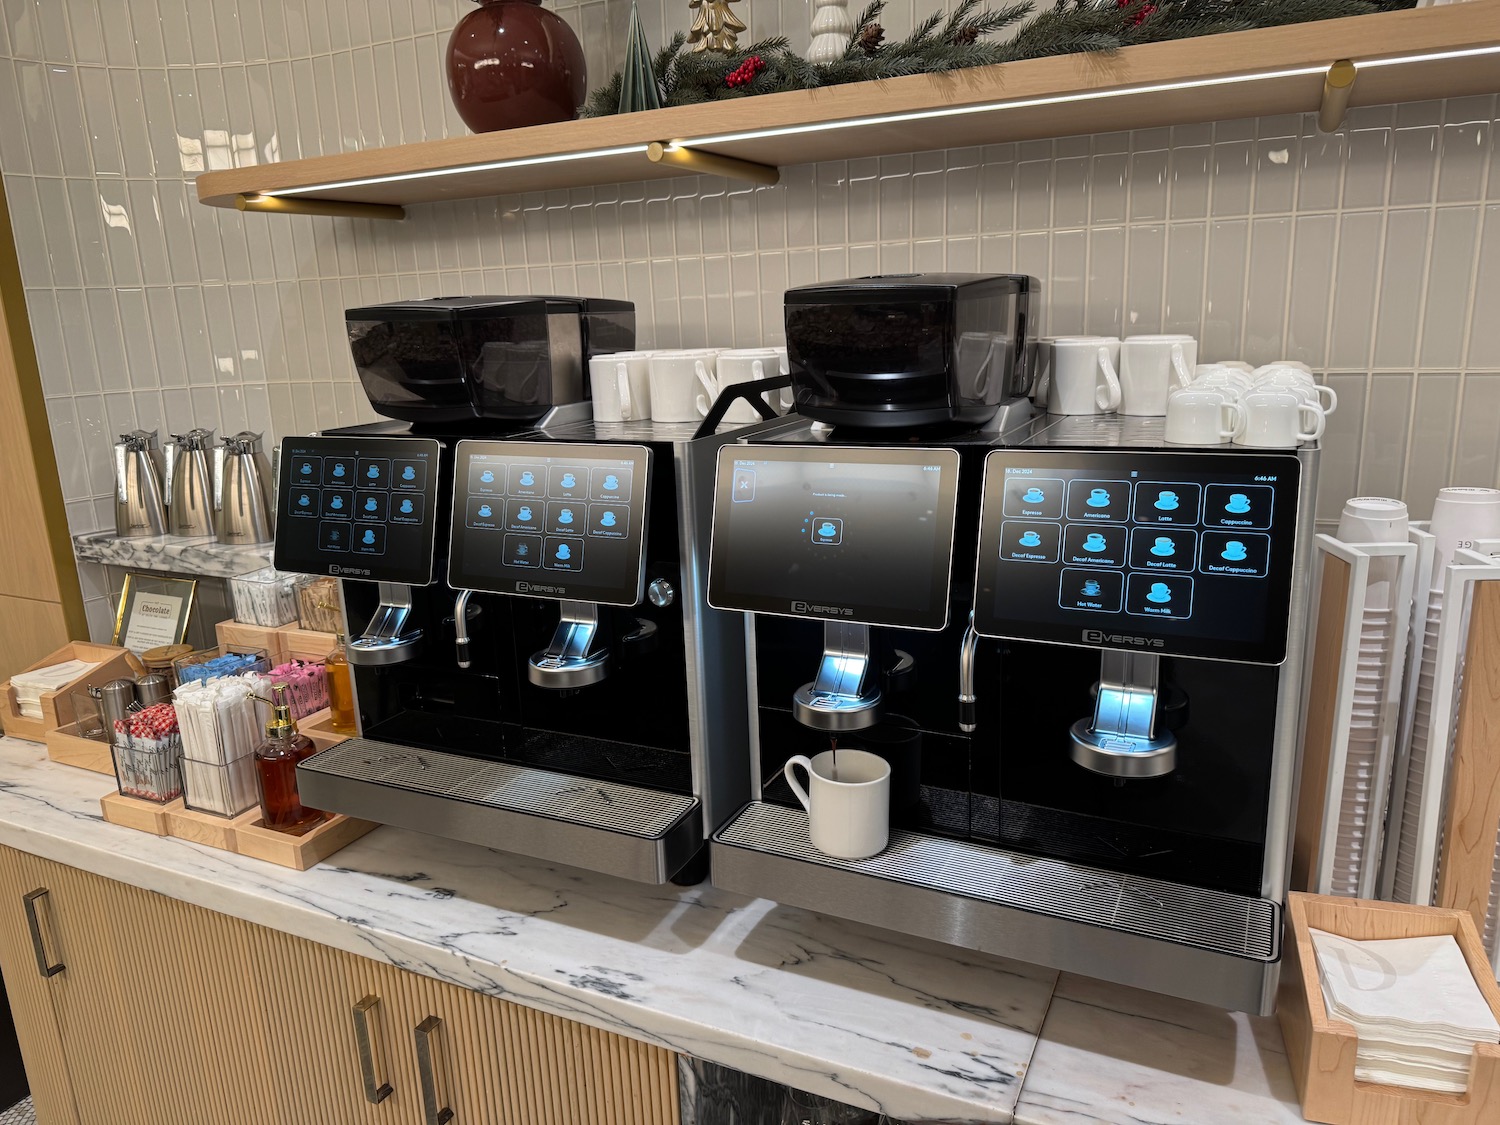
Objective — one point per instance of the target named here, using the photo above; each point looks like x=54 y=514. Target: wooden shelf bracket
x=710 y=164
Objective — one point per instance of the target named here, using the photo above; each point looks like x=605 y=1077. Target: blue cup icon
x=1033 y=495
x=369 y=537
x=1163 y=547
x=1031 y=539
x=1091 y=587
x=611 y=482
x=1234 y=551
x=373 y=472
x=487 y=477
x=484 y=511
x=528 y=478
x=1167 y=502
x=336 y=503
x=408 y=473
x=306 y=468
x=1238 y=504
x=564 y=551
x=569 y=480
x=338 y=470
x=304 y=500
x=565 y=516
x=1094 y=542
x=1098 y=498
x=607 y=519
x=370 y=504
x=826 y=530
x=1159 y=593
x=523 y=550
x=524 y=515
x=406 y=507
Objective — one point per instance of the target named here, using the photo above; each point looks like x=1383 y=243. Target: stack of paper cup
x=1367 y=519
x=1459 y=517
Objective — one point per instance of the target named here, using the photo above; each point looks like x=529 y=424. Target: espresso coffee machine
x=535 y=668
x=1088 y=692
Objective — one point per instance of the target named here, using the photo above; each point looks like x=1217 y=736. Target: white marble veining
x=921 y=1031
x=205 y=557
x=1114 y=1055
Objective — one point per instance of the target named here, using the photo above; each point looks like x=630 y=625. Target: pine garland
x=958 y=40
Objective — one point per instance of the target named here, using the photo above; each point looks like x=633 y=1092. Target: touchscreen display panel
x=1183 y=554
x=850 y=534
x=358 y=507
x=550 y=520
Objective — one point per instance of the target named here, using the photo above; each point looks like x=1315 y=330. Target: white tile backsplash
x=1370 y=253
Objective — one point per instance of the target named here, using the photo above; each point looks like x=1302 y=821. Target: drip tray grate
x=647 y=813
x=1216 y=921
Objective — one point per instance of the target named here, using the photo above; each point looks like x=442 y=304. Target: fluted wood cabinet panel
x=30 y=993
x=169 y=1014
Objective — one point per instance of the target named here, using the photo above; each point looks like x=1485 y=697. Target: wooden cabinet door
x=498 y=1063
x=30 y=990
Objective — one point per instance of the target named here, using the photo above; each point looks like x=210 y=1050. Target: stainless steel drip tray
x=625 y=830
x=1186 y=941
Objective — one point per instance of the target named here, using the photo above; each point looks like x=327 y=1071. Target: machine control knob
x=661 y=593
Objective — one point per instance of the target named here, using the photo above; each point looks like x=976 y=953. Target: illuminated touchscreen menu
x=358 y=507
x=550 y=520
x=851 y=534
x=1187 y=554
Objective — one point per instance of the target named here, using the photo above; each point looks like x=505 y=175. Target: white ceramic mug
x=1203 y=416
x=1231 y=384
x=1294 y=379
x=744 y=365
x=849 y=818
x=1082 y=375
x=677 y=378
x=621 y=383
x=1238 y=365
x=1150 y=367
x=1274 y=420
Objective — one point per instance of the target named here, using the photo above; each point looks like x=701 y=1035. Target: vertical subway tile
x=1354 y=289
x=1313 y=245
x=1465 y=143
x=47 y=334
x=1476 y=456
x=1189 y=181
x=1068 y=294
x=1367 y=164
x=1034 y=195
x=1382 y=458
x=86 y=34
x=32 y=249
x=1070 y=191
x=36 y=105
x=1147 y=180
x=1484 y=329
x=1266 y=294
x=1397 y=316
x=1106 y=282
x=1414 y=152
x=1450 y=268
x=1187 y=254
x=1320 y=158
x=1233 y=175
x=1433 y=425
x=1338 y=464
x=1224 y=296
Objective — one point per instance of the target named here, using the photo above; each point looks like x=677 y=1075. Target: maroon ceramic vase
x=513 y=63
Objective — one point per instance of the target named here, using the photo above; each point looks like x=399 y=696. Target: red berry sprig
x=745 y=73
x=1139 y=16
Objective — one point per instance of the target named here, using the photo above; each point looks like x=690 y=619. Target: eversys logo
x=813 y=607
x=538 y=588
x=335 y=568
x=1095 y=637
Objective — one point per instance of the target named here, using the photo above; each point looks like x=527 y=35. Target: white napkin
x=1413 y=1003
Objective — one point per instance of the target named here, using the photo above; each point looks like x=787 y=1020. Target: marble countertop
x=919 y=1030
x=205 y=557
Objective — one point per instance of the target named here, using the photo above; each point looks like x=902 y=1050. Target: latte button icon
x=1159 y=593
x=1031 y=539
x=1098 y=498
x=1167 y=502
x=1164 y=547
x=569 y=480
x=374 y=473
x=1238 y=504
x=1234 y=551
x=1094 y=542
x=1033 y=495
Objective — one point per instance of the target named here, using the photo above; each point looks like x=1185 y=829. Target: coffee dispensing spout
x=570 y=659
x=967 y=700
x=1125 y=739
x=386 y=639
x=845 y=695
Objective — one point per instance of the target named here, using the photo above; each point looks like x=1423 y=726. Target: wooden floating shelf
x=1210 y=78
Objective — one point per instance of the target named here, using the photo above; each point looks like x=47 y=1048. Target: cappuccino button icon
x=1234 y=551
x=410 y=473
x=607 y=519
x=611 y=482
x=406 y=507
x=1238 y=504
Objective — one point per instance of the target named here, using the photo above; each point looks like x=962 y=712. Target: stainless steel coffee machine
x=539 y=672
x=1088 y=694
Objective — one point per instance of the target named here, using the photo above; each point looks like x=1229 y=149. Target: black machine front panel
x=1183 y=554
x=548 y=520
x=359 y=507
x=851 y=534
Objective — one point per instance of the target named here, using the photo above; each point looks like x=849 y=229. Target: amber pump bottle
x=276 y=761
x=340 y=689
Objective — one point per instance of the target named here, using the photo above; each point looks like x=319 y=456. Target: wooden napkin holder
x=1321 y=1050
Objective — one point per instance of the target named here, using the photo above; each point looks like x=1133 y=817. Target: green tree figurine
x=638 y=88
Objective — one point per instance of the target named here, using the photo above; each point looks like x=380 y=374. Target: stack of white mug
x=1277 y=406
x=680 y=385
